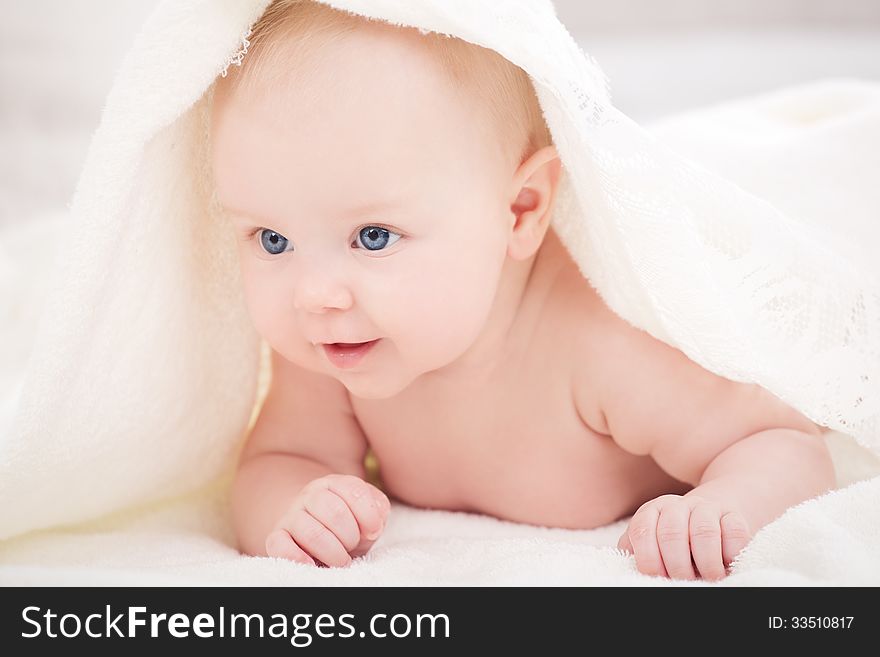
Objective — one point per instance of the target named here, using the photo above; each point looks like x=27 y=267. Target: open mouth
x=346 y=354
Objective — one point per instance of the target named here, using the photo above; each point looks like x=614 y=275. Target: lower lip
x=346 y=357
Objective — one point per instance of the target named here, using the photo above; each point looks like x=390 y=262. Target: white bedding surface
x=834 y=540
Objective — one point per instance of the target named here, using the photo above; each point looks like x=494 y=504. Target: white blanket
x=123 y=404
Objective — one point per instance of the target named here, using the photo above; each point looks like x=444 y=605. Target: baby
x=392 y=195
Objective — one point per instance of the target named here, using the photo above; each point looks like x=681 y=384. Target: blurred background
x=58 y=58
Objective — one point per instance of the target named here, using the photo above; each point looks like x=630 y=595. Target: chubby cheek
x=441 y=307
x=272 y=320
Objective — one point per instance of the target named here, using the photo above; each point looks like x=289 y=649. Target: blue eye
x=375 y=238
x=272 y=242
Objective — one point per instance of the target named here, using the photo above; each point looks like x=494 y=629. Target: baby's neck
x=523 y=286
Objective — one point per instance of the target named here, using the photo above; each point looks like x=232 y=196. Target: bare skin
x=501 y=382
x=510 y=442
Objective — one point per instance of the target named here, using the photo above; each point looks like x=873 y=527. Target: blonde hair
x=503 y=88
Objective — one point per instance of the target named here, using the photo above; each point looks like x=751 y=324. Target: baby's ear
x=534 y=187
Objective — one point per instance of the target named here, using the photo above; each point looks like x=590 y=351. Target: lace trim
x=237 y=57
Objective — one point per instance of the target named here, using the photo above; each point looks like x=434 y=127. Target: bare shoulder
x=591 y=324
x=655 y=400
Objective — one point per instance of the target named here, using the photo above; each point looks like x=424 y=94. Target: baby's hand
x=333 y=519
x=666 y=532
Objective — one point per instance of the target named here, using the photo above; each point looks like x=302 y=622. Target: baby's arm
x=304 y=463
x=749 y=455
x=767 y=472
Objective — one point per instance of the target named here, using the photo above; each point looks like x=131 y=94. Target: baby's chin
x=363 y=386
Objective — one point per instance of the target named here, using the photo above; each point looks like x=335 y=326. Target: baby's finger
x=672 y=536
x=369 y=507
x=705 y=533
x=331 y=511
x=281 y=544
x=642 y=534
x=735 y=535
x=317 y=540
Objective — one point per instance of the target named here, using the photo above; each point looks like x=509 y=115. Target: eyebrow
x=362 y=208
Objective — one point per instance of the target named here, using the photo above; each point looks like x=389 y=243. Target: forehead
x=372 y=109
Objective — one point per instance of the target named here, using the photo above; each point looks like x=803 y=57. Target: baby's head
x=382 y=183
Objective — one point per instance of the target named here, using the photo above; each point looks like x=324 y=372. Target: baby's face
x=367 y=203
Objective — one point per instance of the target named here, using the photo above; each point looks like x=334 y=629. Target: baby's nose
x=320 y=296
